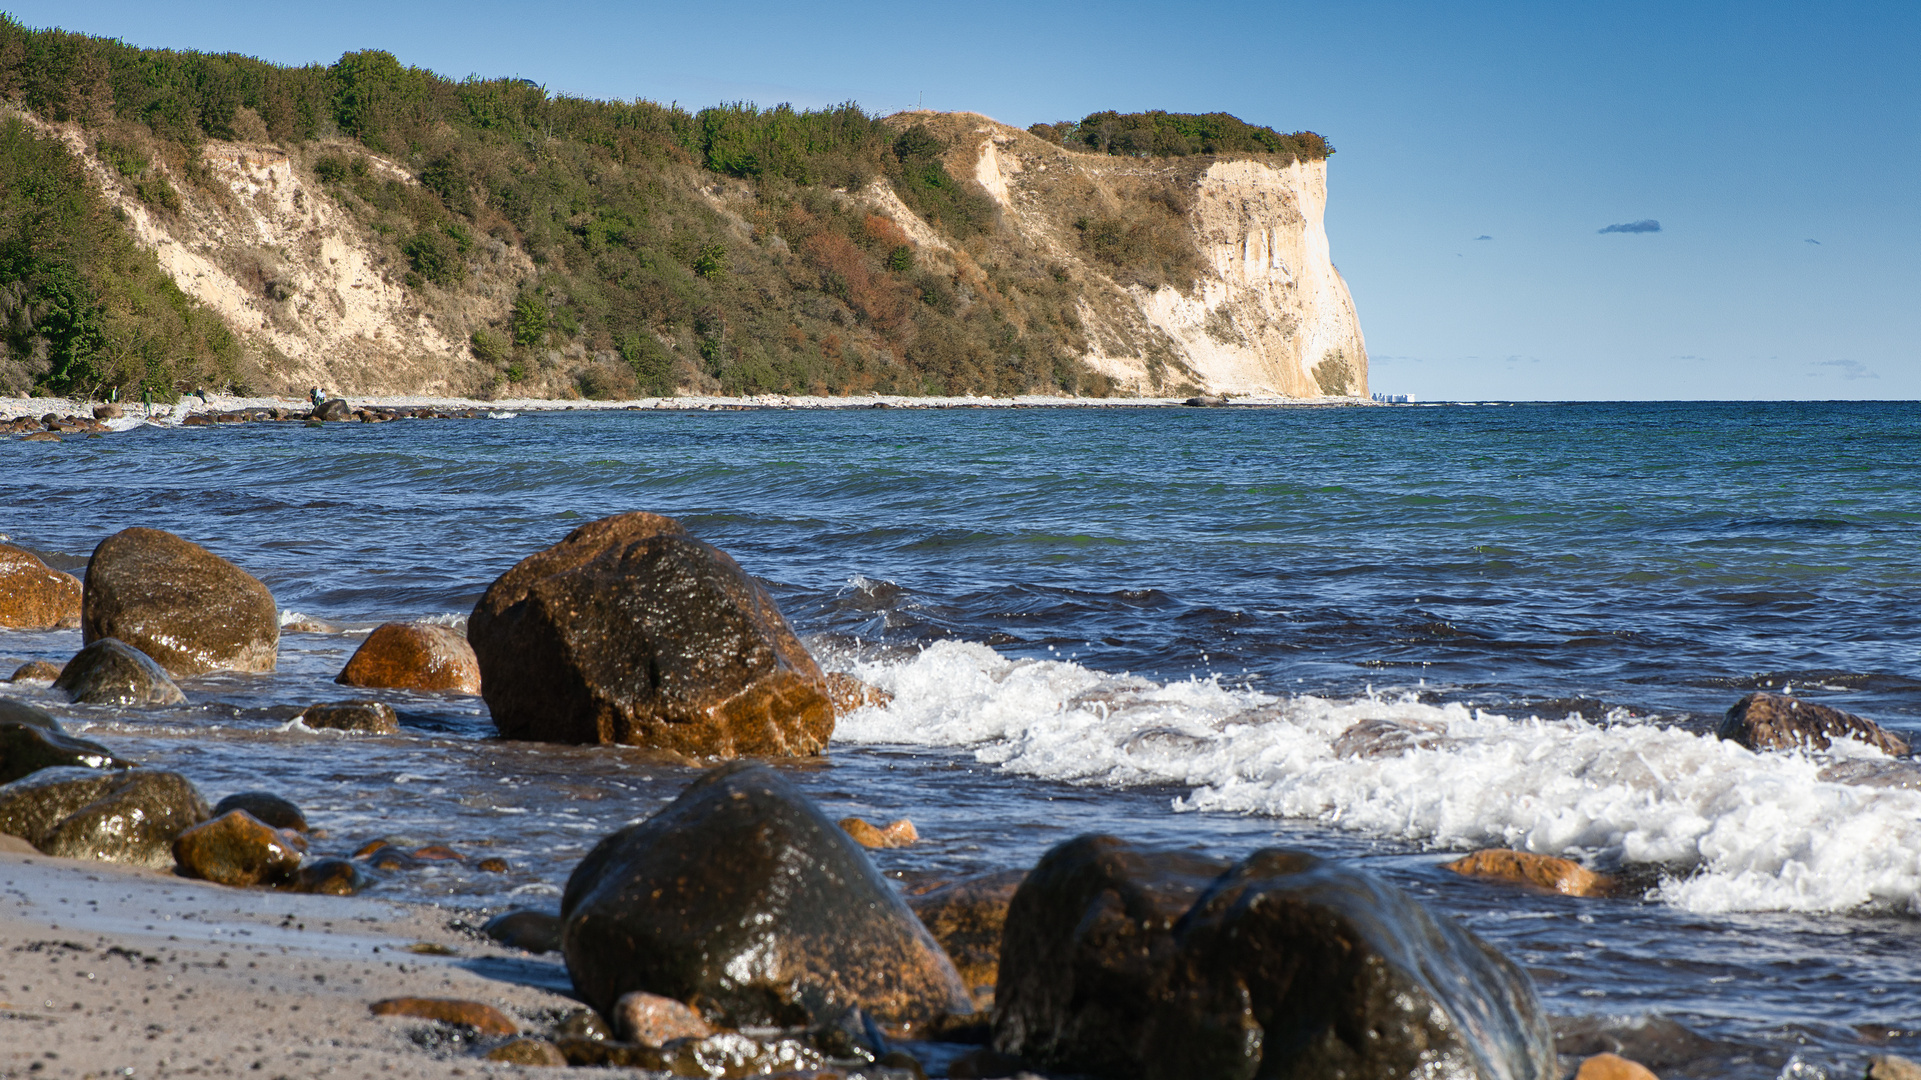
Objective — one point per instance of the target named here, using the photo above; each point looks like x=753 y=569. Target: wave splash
x=1731 y=830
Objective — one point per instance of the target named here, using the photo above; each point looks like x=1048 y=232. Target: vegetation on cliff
x=734 y=248
x=1166 y=134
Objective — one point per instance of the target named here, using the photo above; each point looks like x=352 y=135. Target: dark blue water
x=1091 y=617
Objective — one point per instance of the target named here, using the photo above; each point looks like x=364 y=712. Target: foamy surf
x=1732 y=829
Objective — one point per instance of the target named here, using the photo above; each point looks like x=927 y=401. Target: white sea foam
x=501 y=415
x=1737 y=830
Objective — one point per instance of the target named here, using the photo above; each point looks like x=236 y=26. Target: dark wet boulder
x=265 y=806
x=28 y=748
x=534 y=931
x=414 y=656
x=1763 y=721
x=333 y=409
x=1127 y=963
x=365 y=717
x=19 y=712
x=1086 y=950
x=330 y=877
x=129 y=816
x=189 y=609
x=33 y=595
x=744 y=900
x=35 y=671
x=236 y=848
x=967 y=918
x=631 y=631
x=112 y=672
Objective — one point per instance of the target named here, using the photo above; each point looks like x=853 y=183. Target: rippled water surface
x=1159 y=623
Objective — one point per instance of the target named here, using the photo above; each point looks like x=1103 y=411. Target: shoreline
x=110 y=969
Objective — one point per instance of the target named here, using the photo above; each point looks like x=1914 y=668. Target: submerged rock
x=746 y=901
x=1763 y=721
x=189 y=609
x=269 y=808
x=131 y=816
x=897 y=834
x=35 y=671
x=414 y=656
x=1285 y=966
x=236 y=848
x=112 y=672
x=1526 y=868
x=1892 y=1067
x=27 y=748
x=631 y=631
x=33 y=595
x=967 y=918
x=366 y=717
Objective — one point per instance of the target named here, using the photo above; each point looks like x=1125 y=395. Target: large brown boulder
x=744 y=900
x=80 y=813
x=238 y=849
x=111 y=672
x=414 y=656
x=33 y=595
x=631 y=631
x=1763 y=721
x=1285 y=966
x=189 y=609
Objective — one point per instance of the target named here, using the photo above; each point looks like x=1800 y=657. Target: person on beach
x=146 y=398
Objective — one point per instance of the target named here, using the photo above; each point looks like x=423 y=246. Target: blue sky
x=1482 y=149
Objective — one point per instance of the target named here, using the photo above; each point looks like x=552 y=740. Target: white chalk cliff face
x=1269 y=314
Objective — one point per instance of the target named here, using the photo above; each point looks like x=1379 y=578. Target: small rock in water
x=33 y=595
x=967 y=918
x=527 y=1052
x=492 y=865
x=438 y=853
x=35 y=671
x=1526 y=868
x=27 y=748
x=265 y=805
x=129 y=816
x=481 y=1017
x=1892 y=1067
x=414 y=656
x=366 y=717
x=653 y=1020
x=1763 y=721
x=330 y=877
x=898 y=834
x=1612 y=1067
x=631 y=631
x=700 y=903
x=848 y=693
x=189 y=609
x=534 y=931
x=237 y=849
x=112 y=672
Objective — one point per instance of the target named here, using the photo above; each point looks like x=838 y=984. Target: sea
x=1157 y=623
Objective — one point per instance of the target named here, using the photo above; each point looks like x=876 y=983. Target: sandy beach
x=111 y=971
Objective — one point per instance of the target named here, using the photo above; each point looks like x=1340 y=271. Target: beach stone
x=19 y=712
x=1292 y=965
x=35 y=671
x=848 y=693
x=1892 y=1067
x=898 y=834
x=129 y=816
x=527 y=1052
x=189 y=609
x=1086 y=947
x=333 y=409
x=534 y=931
x=265 y=806
x=631 y=631
x=41 y=436
x=480 y=1016
x=1526 y=868
x=366 y=717
x=744 y=899
x=582 y=1050
x=414 y=656
x=329 y=877
x=108 y=411
x=112 y=672
x=1616 y=1067
x=1763 y=721
x=967 y=918
x=235 y=848
x=583 y=1023
x=652 y=1020
x=33 y=595
x=27 y=748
